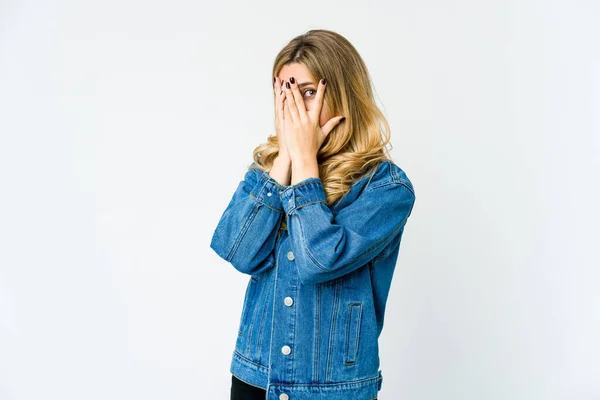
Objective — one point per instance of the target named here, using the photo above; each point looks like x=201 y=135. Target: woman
x=316 y=223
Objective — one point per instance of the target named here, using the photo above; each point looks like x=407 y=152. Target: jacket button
x=269 y=194
x=288 y=301
x=284 y=396
x=290 y=256
x=286 y=350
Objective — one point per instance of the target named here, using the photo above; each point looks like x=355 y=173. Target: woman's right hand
x=281 y=170
x=279 y=118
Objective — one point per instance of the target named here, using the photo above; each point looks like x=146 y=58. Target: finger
x=279 y=96
x=298 y=100
x=286 y=112
x=291 y=104
x=280 y=104
x=332 y=123
x=276 y=95
x=319 y=97
x=278 y=87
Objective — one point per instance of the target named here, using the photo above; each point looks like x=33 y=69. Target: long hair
x=354 y=147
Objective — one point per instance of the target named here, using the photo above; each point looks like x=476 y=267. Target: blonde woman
x=316 y=223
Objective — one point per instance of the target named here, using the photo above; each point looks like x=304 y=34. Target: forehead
x=297 y=70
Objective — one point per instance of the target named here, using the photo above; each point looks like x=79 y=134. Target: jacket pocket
x=352 y=332
x=249 y=297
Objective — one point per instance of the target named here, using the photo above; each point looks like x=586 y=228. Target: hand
x=279 y=94
x=302 y=132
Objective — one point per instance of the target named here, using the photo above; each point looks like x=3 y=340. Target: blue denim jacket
x=319 y=278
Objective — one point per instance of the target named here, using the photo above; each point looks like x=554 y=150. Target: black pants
x=240 y=390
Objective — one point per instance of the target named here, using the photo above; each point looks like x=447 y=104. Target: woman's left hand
x=303 y=133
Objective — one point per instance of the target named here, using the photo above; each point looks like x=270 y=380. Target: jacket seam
x=303 y=239
x=242 y=233
x=262 y=320
x=317 y=334
x=297 y=206
x=266 y=204
x=333 y=384
x=246 y=359
x=332 y=333
x=250 y=330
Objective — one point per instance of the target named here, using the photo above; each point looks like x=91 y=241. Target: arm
x=246 y=233
x=327 y=246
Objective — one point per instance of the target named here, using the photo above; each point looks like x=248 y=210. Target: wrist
x=301 y=160
x=283 y=158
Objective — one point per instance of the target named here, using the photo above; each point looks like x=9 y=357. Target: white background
x=125 y=127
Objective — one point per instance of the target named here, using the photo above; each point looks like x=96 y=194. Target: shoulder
x=388 y=173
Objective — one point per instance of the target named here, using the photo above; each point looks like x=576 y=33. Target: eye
x=310 y=90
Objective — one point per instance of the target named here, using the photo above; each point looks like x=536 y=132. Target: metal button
x=286 y=350
x=284 y=396
x=269 y=194
x=288 y=301
x=290 y=256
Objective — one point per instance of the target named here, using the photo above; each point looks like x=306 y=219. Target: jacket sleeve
x=247 y=231
x=325 y=246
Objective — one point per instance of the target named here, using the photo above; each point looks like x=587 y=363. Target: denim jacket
x=319 y=278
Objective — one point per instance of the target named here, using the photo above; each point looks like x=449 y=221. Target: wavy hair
x=354 y=148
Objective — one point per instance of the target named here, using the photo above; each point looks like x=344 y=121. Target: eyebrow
x=304 y=84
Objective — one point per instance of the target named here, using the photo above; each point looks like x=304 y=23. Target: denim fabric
x=319 y=279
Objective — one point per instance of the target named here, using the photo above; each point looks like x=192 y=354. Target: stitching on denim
x=347 y=355
x=246 y=359
x=383 y=254
x=267 y=204
x=381 y=185
x=262 y=322
x=393 y=174
x=407 y=185
x=332 y=333
x=242 y=233
x=308 y=202
x=251 y=327
x=247 y=296
x=317 y=334
x=397 y=178
x=359 y=382
x=295 y=311
x=303 y=241
x=273 y=306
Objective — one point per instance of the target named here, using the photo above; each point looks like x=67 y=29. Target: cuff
x=267 y=191
x=302 y=193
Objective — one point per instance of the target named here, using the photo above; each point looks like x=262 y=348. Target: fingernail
x=323 y=81
x=342 y=120
x=292 y=79
x=287 y=85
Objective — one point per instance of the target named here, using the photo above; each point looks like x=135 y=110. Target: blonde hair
x=354 y=147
